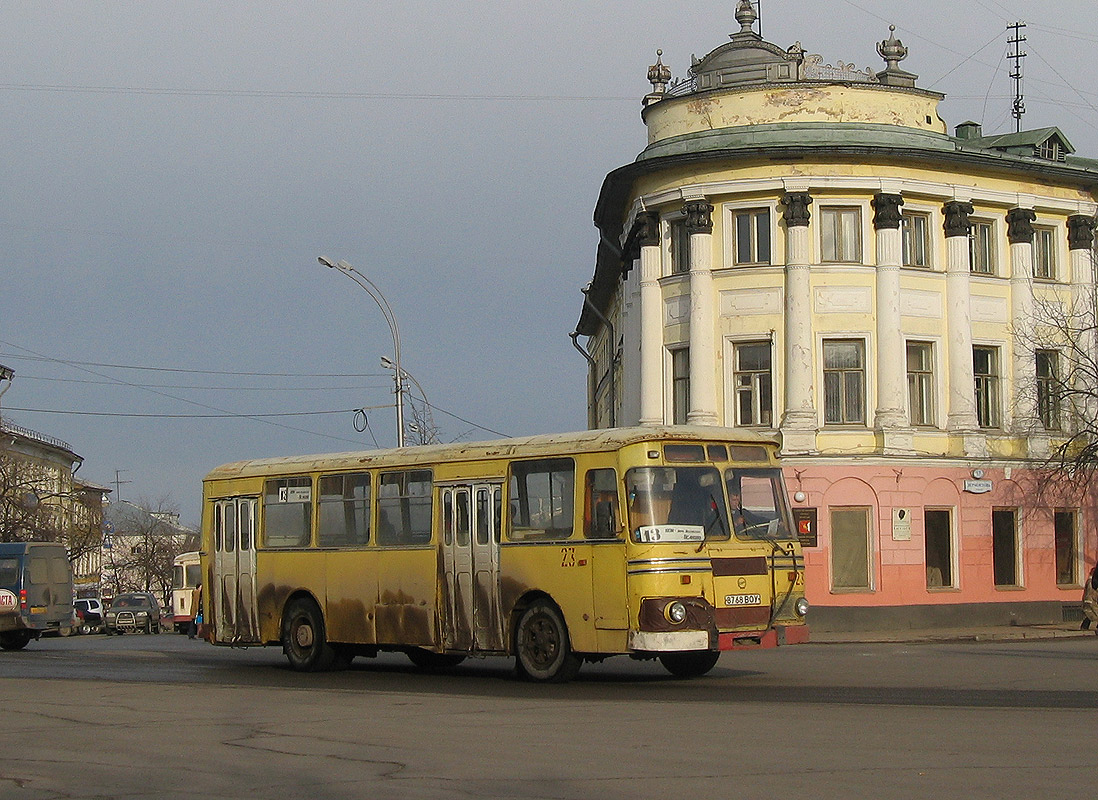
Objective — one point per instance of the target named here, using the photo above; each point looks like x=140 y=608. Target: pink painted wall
x=898 y=568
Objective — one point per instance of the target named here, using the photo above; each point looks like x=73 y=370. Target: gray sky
x=172 y=170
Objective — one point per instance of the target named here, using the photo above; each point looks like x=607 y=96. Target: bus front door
x=234 y=610
x=473 y=619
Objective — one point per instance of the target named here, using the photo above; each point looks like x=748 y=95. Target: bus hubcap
x=304 y=636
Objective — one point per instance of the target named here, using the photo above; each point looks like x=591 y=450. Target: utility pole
x=118 y=483
x=1019 y=107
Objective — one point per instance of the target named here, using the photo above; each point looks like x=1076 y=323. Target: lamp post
x=390 y=319
x=426 y=426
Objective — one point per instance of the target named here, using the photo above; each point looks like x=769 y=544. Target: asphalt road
x=166 y=717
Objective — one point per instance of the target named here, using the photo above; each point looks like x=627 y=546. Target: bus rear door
x=234 y=598
x=472 y=618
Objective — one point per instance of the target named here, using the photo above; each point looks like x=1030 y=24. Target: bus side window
x=542 y=498
x=600 y=506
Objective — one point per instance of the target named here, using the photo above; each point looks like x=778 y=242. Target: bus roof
x=601 y=439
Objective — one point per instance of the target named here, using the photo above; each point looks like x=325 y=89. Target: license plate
x=742 y=600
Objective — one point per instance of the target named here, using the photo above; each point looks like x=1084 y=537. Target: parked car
x=89 y=612
x=132 y=612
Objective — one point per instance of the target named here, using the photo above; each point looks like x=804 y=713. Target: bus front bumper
x=681 y=641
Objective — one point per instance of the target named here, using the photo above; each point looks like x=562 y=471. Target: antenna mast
x=1019 y=107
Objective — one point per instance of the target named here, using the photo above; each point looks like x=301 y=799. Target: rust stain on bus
x=510 y=592
x=401 y=619
x=347 y=621
x=271 y=600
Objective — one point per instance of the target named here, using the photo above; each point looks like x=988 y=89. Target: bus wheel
x=14 y=640
x=691 y=664
x=542 y=651
x=303 y=637
x=426 y=660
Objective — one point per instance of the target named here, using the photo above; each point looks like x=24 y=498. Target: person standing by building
x=196 y=611
x=1090 y=600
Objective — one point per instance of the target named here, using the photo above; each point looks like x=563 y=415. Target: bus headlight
x=676 y=612
x=801 y=607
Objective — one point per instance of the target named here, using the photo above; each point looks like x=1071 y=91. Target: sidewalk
x=1063 y=630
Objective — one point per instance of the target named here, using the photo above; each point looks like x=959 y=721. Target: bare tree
x=143 y=546
x=23 y=515
x=1062 y=393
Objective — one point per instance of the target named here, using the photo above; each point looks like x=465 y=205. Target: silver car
x=132 y=612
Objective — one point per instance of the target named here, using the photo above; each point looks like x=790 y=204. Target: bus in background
x=35 y=592
x=186 y=575
x=669 y=543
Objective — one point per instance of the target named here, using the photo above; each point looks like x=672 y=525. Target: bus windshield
x=758 y=502
x=676 y=504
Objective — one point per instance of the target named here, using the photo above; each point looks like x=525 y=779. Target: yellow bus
x=669 y=543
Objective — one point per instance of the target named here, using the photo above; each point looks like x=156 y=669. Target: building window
x=916 y=239
x=982 y=247
x=841 y=234
x=1004 y=546
x=680 y=247
x=1066 y=548
x=920 y=383
x=938 y=536
x=753 y=384
x=1051 y=149
x=1044 y=254
x=752 y=231
x=680 y=385
x=985 y=363
x=1048 y=389
x=844 y=382
x=850 y=549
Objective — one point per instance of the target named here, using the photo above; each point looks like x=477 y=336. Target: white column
x=1021 y=399
x=799 y=420
x=961 y=389
x=1083 y=311
x=890 y=418
x=703 y=348
x=651 y=322
x=630 y=337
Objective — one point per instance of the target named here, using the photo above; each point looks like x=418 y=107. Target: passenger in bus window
x=743 y=519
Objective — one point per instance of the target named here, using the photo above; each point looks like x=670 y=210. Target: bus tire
x=303 y=639
x=690 y=664
x=433 y=662
x=542 y=649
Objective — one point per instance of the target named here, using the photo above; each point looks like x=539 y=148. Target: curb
x=1003 y=634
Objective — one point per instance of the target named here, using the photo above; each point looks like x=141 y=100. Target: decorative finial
x=659 y=74
x=746 y=16
x=892 y=50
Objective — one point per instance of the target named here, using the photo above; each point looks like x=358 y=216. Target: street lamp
x=390 y=320
x=427 y=429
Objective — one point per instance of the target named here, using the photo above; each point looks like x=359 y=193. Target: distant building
x=805 y=249
x=42 y=500
x=139 y=549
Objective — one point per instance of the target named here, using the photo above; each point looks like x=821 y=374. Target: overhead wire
x=109 y=380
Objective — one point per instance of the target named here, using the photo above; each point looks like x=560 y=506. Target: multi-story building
x=806 y=249
x=41 y=499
